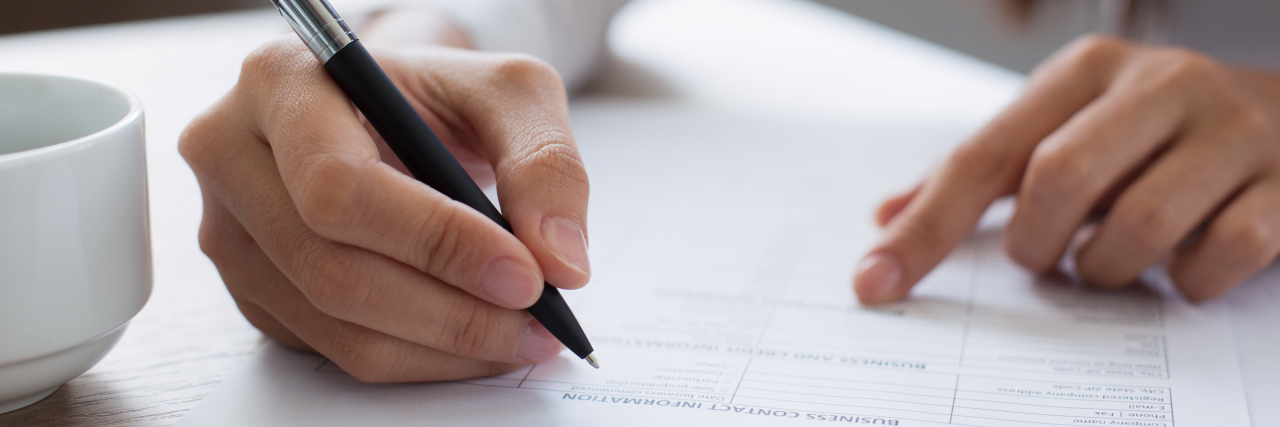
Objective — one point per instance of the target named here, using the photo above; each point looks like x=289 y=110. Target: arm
x=567 y=34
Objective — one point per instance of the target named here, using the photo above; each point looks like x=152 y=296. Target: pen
x=369 y=88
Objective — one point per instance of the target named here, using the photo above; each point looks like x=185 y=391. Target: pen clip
x=319 y=26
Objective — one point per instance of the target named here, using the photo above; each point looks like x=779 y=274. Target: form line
x=526 y=375
x=954 y=392
x=850 y=388
x=840 y=397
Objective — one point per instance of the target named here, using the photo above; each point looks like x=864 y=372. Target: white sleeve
x=568 y=34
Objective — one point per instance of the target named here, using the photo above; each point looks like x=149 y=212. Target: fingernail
x=567 y=241
x=510 y=283
x=879 y=277
x=537 y=344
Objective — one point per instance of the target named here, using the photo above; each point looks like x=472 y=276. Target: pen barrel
x=429 y=161
x=403 y=129
x=549 y=310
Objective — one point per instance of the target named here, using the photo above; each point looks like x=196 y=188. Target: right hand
x=327 y=245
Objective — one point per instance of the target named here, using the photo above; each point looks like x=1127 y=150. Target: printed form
x=748 y=319
x=1254 y=312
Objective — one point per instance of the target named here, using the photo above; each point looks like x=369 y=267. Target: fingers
x=1243 y=239
x=1118 y=146
x=518 y=110
x=333 y=173
x=271 y=327
x=243 y=268
x=345 y=282
x=984 y=168
x=1072 y=169
x=894 y=205
x=1165 y=204
x=371 y=356
x=366 y=354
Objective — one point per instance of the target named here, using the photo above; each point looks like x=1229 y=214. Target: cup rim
x=135 y=112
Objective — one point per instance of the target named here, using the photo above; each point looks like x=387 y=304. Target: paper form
x=709 y=317
x=1254 y=312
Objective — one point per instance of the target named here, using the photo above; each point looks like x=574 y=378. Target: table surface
x=798 y=59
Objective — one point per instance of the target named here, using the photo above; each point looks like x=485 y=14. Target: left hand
x=1162 y=141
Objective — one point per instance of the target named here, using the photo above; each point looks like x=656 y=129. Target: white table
x=774 y=59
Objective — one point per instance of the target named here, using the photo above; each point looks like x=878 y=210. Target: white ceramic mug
x=75 y=257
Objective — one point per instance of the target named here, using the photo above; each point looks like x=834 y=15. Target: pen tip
x=591 y=359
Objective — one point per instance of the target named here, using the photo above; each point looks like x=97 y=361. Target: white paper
x=1254 y=310
x=712 y=317
x=722 y=249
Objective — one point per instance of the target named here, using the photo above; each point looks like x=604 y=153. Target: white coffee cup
x=75 y=254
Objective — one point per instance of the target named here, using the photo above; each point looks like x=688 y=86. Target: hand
x=326 y=244
x=1164 y=143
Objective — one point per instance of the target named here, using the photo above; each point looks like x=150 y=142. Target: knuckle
x=441 y=241
x=466 y=329
x=365 y=355
x=330 y=281
x=261 y=58
x=1241 y=133
x=1086 y=52
x=1255 y=119
x=1178 y=69
x=523 y=70
x=213 y=242
x=203 y=142
x=1248 y=241
x=922 y=232
x=332 y=198
x=192 y=143
x=1254 y=125
x=1096 y=43
x=556 y=163
x=985 y=162
x=267 y=61
x=1057 y=175
x=1186 y=64
x=1151 y=225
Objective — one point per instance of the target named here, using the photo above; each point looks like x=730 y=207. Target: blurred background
x=18 y=16
x=1015 y=34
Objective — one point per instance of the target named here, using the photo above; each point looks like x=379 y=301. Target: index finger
x=333 y=172
x=987 y=166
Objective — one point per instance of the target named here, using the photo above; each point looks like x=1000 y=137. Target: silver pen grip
x=318 y=25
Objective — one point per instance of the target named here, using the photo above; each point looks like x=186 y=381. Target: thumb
x=518 y=109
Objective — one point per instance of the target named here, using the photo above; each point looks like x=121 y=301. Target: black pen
x=360 y=77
